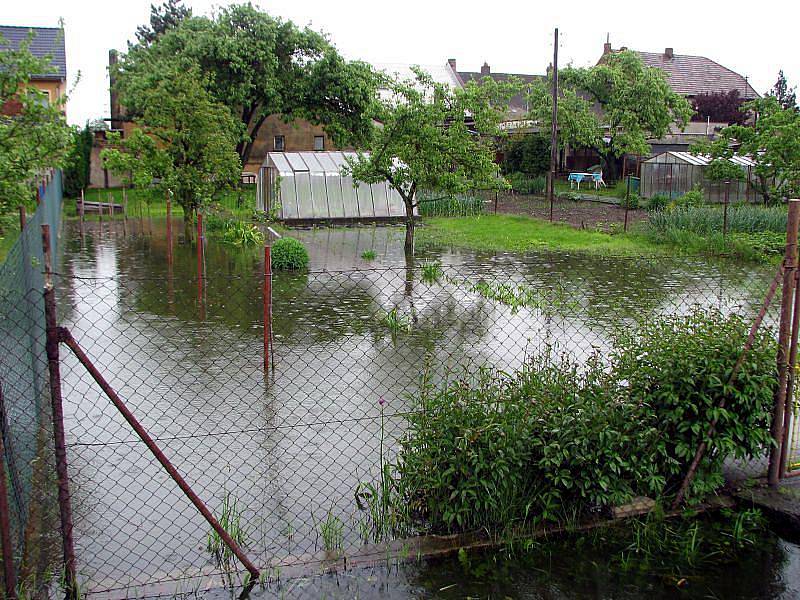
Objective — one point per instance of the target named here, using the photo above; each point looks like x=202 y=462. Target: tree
x=783 y=93
x=719 y=107
x=260 y=66
x=430 y=137
x=183 y=143
x=34 y=135
x=773 y=142
x=527 y=153
x=612 y=108
x=78 y=164
x=162 y=18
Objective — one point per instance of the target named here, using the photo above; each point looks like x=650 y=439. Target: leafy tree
x=259 y=66
x=527 y=153
x=162 y=18
x=785 y=95
x=34 y=134
x=719 y=107
x=612 y=108
x=184 y=141
x=773 y=142
x=430 y=137
x=76 y=169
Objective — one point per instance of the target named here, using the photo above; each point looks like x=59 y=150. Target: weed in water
x=332 y=532
x=368 y=255
x=230 y=519
x=432 y=271
x=396 y=321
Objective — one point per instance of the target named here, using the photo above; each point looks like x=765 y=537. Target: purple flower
x=381 y=401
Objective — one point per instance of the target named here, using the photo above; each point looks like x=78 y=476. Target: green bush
x=289 y=254
x=657 y=202
x=559 y=440
x=690 y=199
x=631 y=202
x=528 y=153
x=525 y=184
x=679 y=368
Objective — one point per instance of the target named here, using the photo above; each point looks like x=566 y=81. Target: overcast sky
x=754 y=39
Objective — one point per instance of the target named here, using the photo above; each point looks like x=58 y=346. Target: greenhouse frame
x=310 y=186
x=675 y=173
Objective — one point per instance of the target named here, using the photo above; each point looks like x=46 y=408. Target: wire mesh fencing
x=25 y=418
x=279 y=456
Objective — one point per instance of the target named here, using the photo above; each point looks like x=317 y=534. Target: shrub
x=240 y=233
x=679 y=367
x=368 y=255
x=289 y=254
x=689 y=199
x=559 y=439
x=658 y=202
x=631 y=202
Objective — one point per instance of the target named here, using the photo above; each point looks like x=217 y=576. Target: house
x=46 y=43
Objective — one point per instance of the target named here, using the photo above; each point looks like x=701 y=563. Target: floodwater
x=289 y=449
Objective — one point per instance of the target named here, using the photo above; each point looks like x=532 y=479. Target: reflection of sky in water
x=295 y=447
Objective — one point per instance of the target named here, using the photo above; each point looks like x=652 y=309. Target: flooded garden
x=355 y=339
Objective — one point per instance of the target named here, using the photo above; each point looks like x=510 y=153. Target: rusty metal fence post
x=59 y=437
x=267 y=307
x=784 y=332
x=9 y=571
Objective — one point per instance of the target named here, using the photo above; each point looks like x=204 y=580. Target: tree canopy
x=786 y=96
x=773 y=142
x=430 y=137
x=719 y=107
x=184 y=140
x=256 y=65
x=612 y=108
x=34 y=134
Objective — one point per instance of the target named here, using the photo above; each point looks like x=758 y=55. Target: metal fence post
x=267 y=306
x=9 y=572
x=787 y=294
x=59 y=437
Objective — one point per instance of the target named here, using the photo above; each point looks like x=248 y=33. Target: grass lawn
x=511 y=233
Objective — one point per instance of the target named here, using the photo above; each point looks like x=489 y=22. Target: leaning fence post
x=59 y=437
x=9 y=573
x=787 y=293
x=787 y=408
x=267 y=306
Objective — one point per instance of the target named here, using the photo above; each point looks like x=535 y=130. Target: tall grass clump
x=562 y=439
x=433 y=204
x=289 y=254
x=522 y=183
x=230 y=518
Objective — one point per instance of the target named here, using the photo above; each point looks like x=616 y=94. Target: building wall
x=54 y=87
x=298 y=137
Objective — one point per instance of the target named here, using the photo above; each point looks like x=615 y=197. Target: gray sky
x=754 y=39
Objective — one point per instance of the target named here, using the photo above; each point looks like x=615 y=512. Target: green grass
x=508 y=233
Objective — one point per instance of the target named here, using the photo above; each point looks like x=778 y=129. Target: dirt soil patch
x=583 y=214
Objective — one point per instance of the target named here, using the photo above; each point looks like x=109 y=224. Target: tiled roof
x=47 y=42
x=518 y=105
x=695 y=75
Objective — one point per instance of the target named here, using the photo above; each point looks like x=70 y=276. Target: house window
x=319 y=142
x=279 y=143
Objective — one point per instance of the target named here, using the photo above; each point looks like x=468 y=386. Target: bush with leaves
x=559 y=440
x=690 y=199
x=289 y=254
x=680 y=368
x=657 y=202
x=525 y=184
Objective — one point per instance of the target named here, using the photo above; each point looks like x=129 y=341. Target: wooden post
x=9 y=573
x=787 y=409
x=627 y=204
x=200 y=265
x=725 y=210
x=23 y=219
x=787 y=294
x=124 y=211
x=82 y=209
x=554 y=126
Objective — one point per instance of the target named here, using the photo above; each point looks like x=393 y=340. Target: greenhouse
x=675 y=173
x=309 y=186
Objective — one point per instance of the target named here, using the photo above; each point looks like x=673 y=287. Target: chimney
x=452 y=63
x=485 y=70
x=669 y=53
x=607 y=45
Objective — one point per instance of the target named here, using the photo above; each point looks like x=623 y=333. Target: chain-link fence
x=278 y=456
x=25 y=418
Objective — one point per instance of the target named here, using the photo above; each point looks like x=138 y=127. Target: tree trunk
x=409 y=245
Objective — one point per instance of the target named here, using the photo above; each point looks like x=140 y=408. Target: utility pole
x=554 y=126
